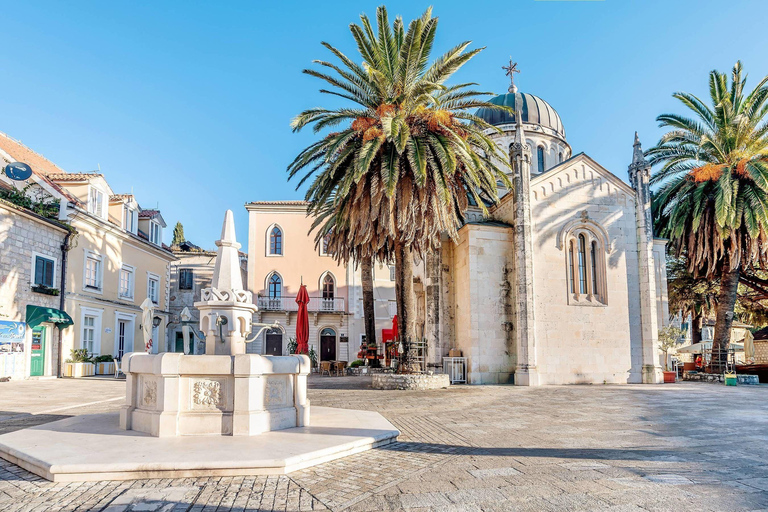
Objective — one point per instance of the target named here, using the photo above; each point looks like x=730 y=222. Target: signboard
x=18 y=171
x=12 y=336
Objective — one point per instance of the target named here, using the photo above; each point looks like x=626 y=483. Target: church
x=564 y=282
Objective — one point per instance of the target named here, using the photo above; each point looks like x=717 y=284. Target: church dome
x=534 y=111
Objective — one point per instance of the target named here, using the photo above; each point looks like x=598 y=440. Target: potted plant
x=79 y=364
x=313 y=358
x=105 y=364
x=293 y=345
x=669 y=338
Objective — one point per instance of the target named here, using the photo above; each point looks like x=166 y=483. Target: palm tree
x=409 y=154
x=689 y=295
x=713 y=202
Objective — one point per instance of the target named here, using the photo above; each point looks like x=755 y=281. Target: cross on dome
x=511 y=69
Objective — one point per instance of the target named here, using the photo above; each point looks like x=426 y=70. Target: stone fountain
x=225 y=391
x=222 y=413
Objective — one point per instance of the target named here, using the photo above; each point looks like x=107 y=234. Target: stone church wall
x=587 y=342
x=481 y=292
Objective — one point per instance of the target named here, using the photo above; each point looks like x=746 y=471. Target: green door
x=37 y=365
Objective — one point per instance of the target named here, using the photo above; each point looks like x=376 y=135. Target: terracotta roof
x=120 y=197
x=148 y=214
x=73 y=176
x=40 y=165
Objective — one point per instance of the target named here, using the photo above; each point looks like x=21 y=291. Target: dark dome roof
x=534 y=110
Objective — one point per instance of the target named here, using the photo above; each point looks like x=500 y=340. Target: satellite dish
x=18 y=171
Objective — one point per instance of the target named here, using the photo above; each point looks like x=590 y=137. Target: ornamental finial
x=511 y=69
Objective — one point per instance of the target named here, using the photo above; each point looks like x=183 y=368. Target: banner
x=12 y=336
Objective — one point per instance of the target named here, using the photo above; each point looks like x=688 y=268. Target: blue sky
x=188 y=104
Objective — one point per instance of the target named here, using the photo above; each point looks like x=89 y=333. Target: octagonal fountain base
x=94 y=447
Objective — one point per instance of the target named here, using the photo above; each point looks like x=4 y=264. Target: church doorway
x=327 y=344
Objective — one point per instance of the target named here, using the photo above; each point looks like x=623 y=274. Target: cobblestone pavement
x=688 y=446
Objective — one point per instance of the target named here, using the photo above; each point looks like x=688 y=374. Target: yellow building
x=115 y=261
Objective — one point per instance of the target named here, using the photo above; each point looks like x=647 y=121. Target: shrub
x=356 y=363
x=103 y=359
x=79 y=356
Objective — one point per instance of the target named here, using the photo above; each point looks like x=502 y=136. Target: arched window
x=540 y=158
x=328 y=287
x=276 y=241
x=560 y=158
x=582 y=264
x=275 y=286
x=585 y=265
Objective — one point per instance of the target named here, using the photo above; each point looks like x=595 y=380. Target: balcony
x=316 y=304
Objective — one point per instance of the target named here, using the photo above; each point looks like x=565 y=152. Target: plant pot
x=105 y=368
x=670 y=377
x=78 y=370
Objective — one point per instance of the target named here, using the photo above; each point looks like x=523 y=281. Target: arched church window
x=585 y=266
x=276 y=241
x=540 y=158
x=582 y=264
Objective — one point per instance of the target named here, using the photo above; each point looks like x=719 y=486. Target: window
x=560 y=157
x=89 y=333
x=96 y=202
x=328 y=287
x=276 y=241
x=391 y=272
x=153 y=288
x=125 y=284
x=155 y=233
x=186 y=279
x=585 y=266
x=45 y=268
x=540 y=158
x=130 y=218
x=275 y=286
x=582 y=265
x=92 y=271
x=324 y=245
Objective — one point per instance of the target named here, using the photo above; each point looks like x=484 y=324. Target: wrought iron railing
x=316 y=304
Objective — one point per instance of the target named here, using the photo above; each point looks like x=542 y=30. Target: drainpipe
x=64 y=251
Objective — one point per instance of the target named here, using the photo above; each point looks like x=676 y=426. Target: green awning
x=37 y=315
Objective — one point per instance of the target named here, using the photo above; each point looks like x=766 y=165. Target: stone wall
x=415 y=381
x=761 y=352
x=22 y=236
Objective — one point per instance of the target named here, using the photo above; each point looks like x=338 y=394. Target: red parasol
x=302 y=321
x=394 y=328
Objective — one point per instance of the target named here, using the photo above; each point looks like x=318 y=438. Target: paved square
x=686 y=446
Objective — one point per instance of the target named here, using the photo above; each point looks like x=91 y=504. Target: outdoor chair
x=118 y=371
x=325 y=368
x=341 y=368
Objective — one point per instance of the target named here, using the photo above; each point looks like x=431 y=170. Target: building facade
x=31 y=259
x=281 y=256
x=115 y=260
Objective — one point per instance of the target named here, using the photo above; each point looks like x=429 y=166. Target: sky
x=188 y=104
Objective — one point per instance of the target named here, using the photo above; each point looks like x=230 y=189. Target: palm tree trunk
x=366 y=271
x=726 y=300
x=406 y=318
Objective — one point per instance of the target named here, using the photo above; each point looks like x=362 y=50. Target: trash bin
x=730 y=378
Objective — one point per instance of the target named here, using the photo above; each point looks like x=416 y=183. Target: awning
x=37 y=315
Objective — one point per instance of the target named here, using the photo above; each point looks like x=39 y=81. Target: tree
x=689 y=295
x=669 y=337
x=369 y=314
x=713 y=202
x=178 y=234
x=409 y=153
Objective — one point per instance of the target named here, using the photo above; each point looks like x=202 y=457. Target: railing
x=456 y=368
x=316 y=304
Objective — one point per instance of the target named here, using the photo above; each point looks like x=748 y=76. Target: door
x=179 y=347
x=274 y=343
x=37 y=364
x=122 y=337
x=328 y=345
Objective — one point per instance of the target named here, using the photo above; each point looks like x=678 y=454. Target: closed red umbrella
x=394 y=328
x=302 y=321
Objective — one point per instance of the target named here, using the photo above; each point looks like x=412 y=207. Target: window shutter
x=39 y=270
